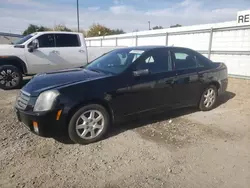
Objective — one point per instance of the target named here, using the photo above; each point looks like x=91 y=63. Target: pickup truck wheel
x=89 y=124
x=208 y=98
x=10 y=77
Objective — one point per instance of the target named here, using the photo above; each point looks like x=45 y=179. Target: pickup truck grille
x=22 y=101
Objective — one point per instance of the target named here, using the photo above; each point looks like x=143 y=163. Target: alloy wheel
x=9 y=78
x=90 y=124
x=209 y=97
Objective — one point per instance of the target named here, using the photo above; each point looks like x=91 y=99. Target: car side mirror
x=141 y=72
x=34 y=45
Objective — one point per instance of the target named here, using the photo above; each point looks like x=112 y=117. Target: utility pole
x=78 y=25
x=149 y=28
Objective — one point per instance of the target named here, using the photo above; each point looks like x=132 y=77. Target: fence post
x=116 y=41
x=89 y=43
x=210 y=43
x=136 y=40
x=101 y=42
x=167 y=39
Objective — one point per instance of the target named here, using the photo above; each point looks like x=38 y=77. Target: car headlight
x=46 y=101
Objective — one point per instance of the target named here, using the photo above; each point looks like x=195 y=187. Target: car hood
x=11 y=50
x=52 y=80
x=6 y=46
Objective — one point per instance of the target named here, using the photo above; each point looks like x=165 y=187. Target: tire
x=87 y=125
x=204 y=106
x=10 y=77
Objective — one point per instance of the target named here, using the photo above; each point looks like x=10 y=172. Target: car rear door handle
x=201 y=75
x=81 y=51
x=170 y=81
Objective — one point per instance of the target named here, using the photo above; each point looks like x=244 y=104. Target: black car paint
x=122 y=95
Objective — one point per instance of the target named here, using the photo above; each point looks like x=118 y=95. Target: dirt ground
x=184 y=148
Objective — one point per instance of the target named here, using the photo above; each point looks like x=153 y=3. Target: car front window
x=116 y=61
x=24 y=39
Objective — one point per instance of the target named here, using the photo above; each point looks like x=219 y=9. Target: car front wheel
x=10 y=77
x=89 y=124
x=208 y=98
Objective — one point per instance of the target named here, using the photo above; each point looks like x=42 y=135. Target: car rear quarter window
x=67 y=40
x=156 y=61
x=183 y=59
x=202 y=61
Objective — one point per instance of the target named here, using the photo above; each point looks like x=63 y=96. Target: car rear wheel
x=89 y=124
x=208 y=98
x=10 y=77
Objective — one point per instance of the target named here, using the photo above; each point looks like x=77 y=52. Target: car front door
x=188 y=86
x=44 y=58
x=71 y=53
x=150 y=83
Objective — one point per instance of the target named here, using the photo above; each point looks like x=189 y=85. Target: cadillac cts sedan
x=85 y=102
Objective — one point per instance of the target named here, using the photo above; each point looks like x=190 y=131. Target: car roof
x=60 y=32
x=146 y=48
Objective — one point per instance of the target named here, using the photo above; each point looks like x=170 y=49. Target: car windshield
x=24 y=39
x=115 y=62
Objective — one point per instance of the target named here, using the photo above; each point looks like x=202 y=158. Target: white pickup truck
x=43 y=52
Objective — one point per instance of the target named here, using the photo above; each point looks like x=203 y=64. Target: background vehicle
x=120 y=84
x=44 y=52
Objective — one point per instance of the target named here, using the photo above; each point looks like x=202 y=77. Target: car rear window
x=67 y=40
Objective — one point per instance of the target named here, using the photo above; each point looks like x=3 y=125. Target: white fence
x=222 y=42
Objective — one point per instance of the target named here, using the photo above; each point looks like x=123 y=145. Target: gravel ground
x=184 y=148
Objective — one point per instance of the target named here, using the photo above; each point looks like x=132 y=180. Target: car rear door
x=71 y=53
x=187 y=86
x=153 y=90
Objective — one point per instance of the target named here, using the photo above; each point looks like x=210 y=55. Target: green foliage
x=176 y=25
x=117 y=31
x=100 y=30
x=62 y=28
x=95 y=30
x=157 y=27
x=34 y=28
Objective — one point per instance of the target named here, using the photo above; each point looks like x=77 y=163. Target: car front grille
x=22 y=101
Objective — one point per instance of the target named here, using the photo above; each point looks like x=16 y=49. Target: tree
x=98 y=30
x=176 y=25
x=35 y=28
x=157 y=27
x=117 y=31
x=101 y=30
x=61 y=27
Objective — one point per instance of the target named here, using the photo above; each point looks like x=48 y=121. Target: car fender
x=14 y=60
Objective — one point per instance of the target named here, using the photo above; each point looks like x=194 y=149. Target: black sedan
x=84 y=102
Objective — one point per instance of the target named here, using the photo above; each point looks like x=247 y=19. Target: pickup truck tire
x=10 y=77
x=208 y=98
x=89 y=124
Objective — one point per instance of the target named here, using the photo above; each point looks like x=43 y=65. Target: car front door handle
x=55 y=52
x=81 y=51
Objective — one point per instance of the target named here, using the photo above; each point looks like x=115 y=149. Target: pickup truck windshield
x=24 y=39
x=116 y=61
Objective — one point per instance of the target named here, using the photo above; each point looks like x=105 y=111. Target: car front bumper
x=43 y=124
x=223 y=86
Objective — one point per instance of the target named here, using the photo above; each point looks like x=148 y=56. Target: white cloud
x=116 y=2
x=187 y=12
x=121 y=9
x=29 y=3
x=93 y=8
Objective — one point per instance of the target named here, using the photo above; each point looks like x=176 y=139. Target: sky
x=129 y=15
